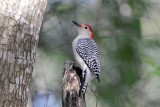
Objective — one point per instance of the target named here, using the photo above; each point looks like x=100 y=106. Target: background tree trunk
x=70 y=86
x=20 y=22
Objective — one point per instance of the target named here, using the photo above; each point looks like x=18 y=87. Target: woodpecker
x=86 y=54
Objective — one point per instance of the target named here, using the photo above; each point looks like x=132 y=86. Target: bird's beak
x=76 y=23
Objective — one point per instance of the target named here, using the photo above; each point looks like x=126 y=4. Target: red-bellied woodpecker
x=86 y=53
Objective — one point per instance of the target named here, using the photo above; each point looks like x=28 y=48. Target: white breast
x=78 y=59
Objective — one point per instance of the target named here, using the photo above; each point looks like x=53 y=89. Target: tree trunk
x=20 y=22
x=70 y=86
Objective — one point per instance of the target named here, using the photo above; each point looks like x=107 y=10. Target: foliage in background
x=129 y=55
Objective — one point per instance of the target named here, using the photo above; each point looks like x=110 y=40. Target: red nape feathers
x=90 y=30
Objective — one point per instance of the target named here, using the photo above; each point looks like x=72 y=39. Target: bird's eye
x=85 y=27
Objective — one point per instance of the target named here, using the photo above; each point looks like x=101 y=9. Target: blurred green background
x=127 y=33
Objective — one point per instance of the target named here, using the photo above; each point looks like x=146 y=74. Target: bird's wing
x=88 y=51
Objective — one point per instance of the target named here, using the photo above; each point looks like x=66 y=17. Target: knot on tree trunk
x=71 y=80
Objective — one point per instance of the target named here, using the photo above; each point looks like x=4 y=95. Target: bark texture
x=70 y=86
x=20 y=22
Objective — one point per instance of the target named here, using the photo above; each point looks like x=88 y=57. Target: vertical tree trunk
x=20 y=22
x=70 y=86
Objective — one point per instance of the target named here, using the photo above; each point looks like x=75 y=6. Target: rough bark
x=20 y=22
x=71 y=85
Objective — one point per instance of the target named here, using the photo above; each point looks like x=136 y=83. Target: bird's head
x=84 y=30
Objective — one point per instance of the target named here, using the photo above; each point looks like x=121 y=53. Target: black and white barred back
x=88 y=51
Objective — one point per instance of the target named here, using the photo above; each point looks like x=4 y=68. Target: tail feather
x=84 y=85
x=84 y=88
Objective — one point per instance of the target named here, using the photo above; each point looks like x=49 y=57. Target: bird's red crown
x=89 y=29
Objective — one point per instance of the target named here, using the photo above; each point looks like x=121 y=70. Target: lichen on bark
x=20 y=23
x=71 y=79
